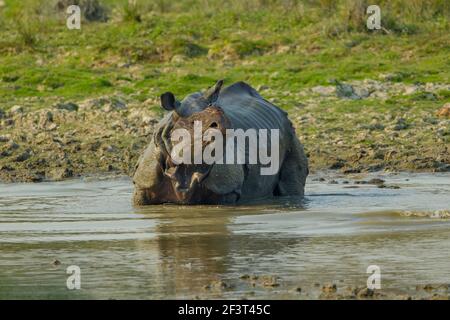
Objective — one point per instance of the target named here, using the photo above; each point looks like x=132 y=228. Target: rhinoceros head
x=163 y=180
x=187 y=179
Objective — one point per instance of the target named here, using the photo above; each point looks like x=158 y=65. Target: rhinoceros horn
x=212 y=93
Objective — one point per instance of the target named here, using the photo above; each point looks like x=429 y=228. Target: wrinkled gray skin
x=159 y=181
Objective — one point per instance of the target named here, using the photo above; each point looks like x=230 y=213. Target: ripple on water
x=128 y=252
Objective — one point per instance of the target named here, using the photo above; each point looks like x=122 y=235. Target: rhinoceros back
x=246 y=109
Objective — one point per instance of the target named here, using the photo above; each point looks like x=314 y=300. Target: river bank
x=351 y=127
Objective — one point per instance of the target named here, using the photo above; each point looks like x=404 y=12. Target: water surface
x=185 y=251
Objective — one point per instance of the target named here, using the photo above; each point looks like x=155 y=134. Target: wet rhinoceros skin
x=157 y=180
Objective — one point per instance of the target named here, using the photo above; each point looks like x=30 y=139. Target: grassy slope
x=74 y=64
x=188 y=46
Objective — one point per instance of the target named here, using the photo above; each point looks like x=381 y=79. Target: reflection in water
x=197 y=247
x=183 y=251
x=192 y=248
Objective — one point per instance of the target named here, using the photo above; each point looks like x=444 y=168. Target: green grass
x=283 y=44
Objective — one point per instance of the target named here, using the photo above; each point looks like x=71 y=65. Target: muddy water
x=206 y=251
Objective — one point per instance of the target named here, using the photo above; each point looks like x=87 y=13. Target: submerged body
x=158 y=179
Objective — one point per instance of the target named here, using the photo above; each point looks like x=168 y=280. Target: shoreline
x=324 y=175
x=106 y=135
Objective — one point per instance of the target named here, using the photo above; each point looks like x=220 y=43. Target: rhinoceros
x=159 y=179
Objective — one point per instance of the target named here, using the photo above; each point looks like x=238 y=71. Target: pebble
x=69 y=106
x=23 y=157
x=16 y=109
x=56 y=262
x=329 y=288
x=444 y=111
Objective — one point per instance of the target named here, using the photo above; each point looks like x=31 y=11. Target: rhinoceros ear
x=212 y=94
x=168 y=101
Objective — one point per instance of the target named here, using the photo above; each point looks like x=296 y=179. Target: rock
x=374 y=126
x=117 y=125
x=12 y=145
x=380 y=95
x=430 y=96
x=6 y=167
x=324 y=90
x=270 y=281
x=389 y=76
x=69 y=106
x=361 y=92
x=383 y=186
x=124 y=65
x=149 y=120
x=56 y=262
x=111 y=149
x=178 y=58
x=115 y=104
x=107 y=104
x=345 y=91
x=46 y=117
x=32 y=177
x=410 y=89
x=16 y=109
x=219 y=285
x=4 y=152
x=444 y=111
x=375 y=181
x=23 y=157
x=283 y=49
x=52 y=127
x=348 y=91
x=150 y=102
x=329 y=288
x=59 y=174
x=4 y=138
x=401 y=125
x=364 y=293
x=338 y=164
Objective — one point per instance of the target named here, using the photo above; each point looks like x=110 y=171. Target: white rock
x=410 y=90
x=361 y=92
x=16 y=109
x=5 y=138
